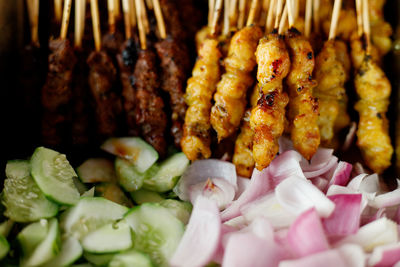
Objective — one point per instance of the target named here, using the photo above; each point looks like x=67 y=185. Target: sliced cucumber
x=130 y=258
x=98 y=259
x=89 y=193
x=128 y=176
x=143 y=196
x=32 y=235
x=168 y=174
x=113 y=193
x=5 y=227
x=89 y=214
x=22 y=198
x=138 y=152
x=110 y=238
x=79 y=185
x=4 y=247
x=97 y=170
x=47 y=249
x=180 y=209
x=54 y=176
x=156 y=231
x=71 y=251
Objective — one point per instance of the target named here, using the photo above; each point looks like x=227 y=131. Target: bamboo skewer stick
x=290 y=13
x=264 y=11
x=316 y=4
x=284 y=18
x=80 y=7
x=211 y=5
x=296 y=9
x=117 y=9
x=225 y=29
x=160 y=19
x=65 y=19
x=111 y=15
x=127 y=19
x=359 y=17
x=307 y=24
x=367 y=29
x=270 y=16
x=232 y=12
x=242 y=11
x=217 y=12
x=142 y=31
x=278 y=13
x=132 y=12
x=33 y=14
x=252 y=13
x=94 y=9
x=145 y=19
x=58 y=10
x=335 y=18
x=150 y=4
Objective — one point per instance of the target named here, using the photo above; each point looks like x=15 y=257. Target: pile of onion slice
x=293 y=213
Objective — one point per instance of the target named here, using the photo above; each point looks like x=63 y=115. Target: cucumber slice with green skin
x=22 y=198
x=110 y=238
x=97 y=170
x=168 y=174
x=4 y=247
x=130 y=258
x=98 y=259
x=45 y=250
x=71 y=251
x=134 y=149
x=143 y=196
x=128 y=176
x=113 y=193
x=32 y=235
x=156 y=231
x=89 y=214
x=180 y=209
x=54 y=176
x=79 y=185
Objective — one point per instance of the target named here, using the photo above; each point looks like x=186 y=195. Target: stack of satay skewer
x=301 y=89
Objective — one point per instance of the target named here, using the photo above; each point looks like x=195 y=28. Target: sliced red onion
x=219 y=253
x=306 y=235
x=353 y=255
x=202 y=235
x=268 y=207
x=328 y=166
x=321 y=183
x=285 y=144
x=216 y=189
x=370 y=184
x=358 y=168
x=350 y=136
x=298 y=195
x=338 y=190
x=242 y=184
x=341 y=175
x=259 y=185
x=238 y=222
x=388 y=199
x=253 y=246
x=386 y=255
x=318 y=161
x=355 y=183
x=201 y=170
x=377 y=233
x=284 y=166
x=345 y=219
x=329 y=258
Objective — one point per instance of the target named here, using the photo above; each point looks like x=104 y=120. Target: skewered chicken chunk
x=303 y=107
x=200 y=89
x=380 y=29
x=374 y=89
x=268 y=119
x=358 y=52
x=230 y=98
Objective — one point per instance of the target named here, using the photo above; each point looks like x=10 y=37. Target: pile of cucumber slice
x=104 y=213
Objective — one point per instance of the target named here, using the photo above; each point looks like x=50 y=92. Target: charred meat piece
x=150 y=115
x=102 y=75
x=57 y=92
x=173 y=80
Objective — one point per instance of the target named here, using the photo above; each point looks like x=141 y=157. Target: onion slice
x=201 y=238
x=341 y=175
x=386 y=255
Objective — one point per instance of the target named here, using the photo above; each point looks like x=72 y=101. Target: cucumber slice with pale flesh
x=32 y=235
x=128 y=176
x=168 y=173
x=54 y=176
x=97 y=170
x=130 y=258
x=143 y=196
x=22 y=198
x=112 y=237
x=180 y=209
x=4 y=247
x=98 y=259
x=134 y=149
x=89 y=214
x=156 y=231
x=45 y=250
x=71 y=251
x=113 y=193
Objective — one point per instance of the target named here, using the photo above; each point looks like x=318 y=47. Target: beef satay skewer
x=111 y=15
x=141 y=27
x=127 y=19
x=80 y=11
x=58 y=10
x=96 y=24
x=160 y=19
x=303 y=107
x=65 y=18
x=268 y=118
x=132 y=13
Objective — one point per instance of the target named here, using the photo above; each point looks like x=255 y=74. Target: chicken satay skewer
x=270 y=16
x=308 y=18
x=252 y=13
x=315 y=15
x=284 y=19
x=359 y=17
x=242 y=13
x=335 y=17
